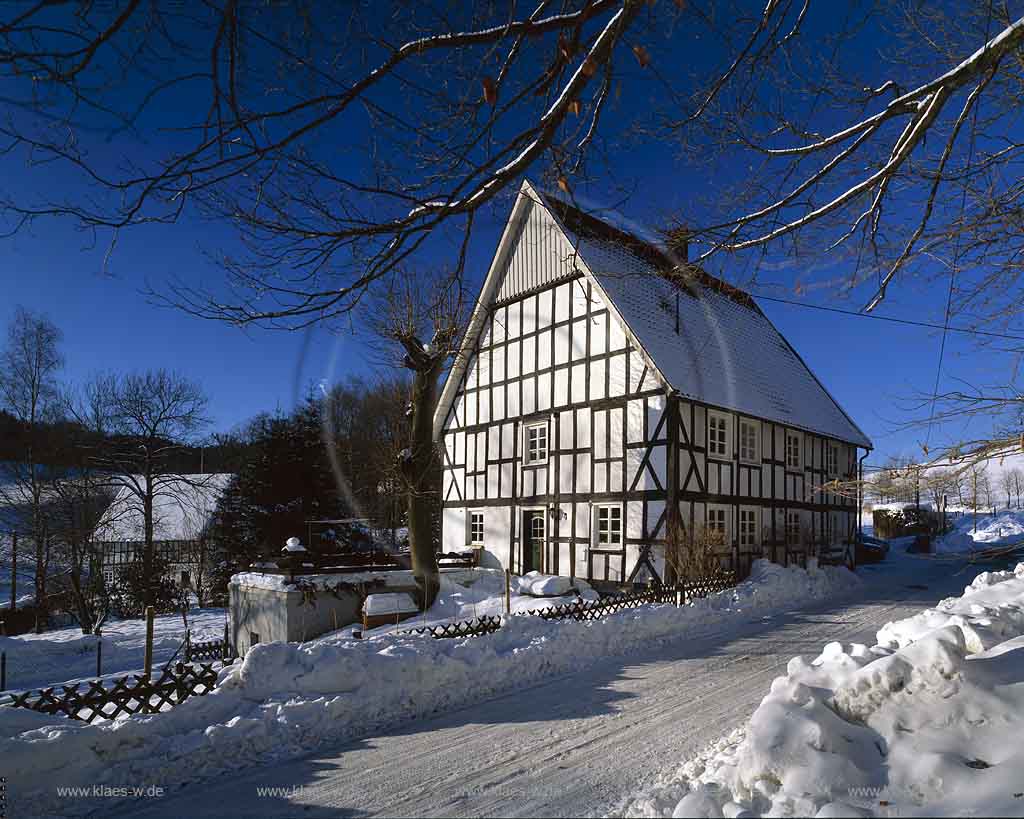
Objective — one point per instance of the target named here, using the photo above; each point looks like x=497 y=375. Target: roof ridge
x=668 y=268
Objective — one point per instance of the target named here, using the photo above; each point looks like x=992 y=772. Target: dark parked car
x=871 y=549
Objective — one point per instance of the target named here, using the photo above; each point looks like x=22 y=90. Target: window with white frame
x=831 y=459
x=748 y=527
x=793 y=450
x=715 y=522
x=537 y=443
x=718 y=435
x=748 y=442
x=476 y=528
x=793 y=528
x=609 y=526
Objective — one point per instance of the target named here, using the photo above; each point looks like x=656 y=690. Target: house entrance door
x=533 y=541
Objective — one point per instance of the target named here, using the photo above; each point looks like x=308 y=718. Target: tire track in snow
x=573 y=745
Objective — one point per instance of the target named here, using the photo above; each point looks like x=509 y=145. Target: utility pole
x=14 y=570
x=975 y=500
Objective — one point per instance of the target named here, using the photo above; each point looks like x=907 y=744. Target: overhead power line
x=874 y=316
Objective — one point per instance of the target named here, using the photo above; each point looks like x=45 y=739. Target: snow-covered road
x=574 y=745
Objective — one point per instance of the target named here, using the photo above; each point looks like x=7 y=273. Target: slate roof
x=726 y=353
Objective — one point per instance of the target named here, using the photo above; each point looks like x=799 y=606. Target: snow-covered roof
x=182 y=508
x=726 y=352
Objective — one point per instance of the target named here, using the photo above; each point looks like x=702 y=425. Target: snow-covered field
x=286 y=699
x=1004 y=529
x=926 y=722
x=61 y=655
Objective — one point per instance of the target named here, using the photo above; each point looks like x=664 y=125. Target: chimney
x=677 y=240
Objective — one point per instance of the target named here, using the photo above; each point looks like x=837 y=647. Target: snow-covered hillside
x=926 y=722
x=60 y=655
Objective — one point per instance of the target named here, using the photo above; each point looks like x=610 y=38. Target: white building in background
x=183 y=510
x=598 y=396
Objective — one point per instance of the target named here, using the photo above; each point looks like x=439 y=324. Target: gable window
x=748 y=527
x=748 y=442
x=831 y=459
x=718 y=435
x=793 y=450
x=537 y=443
x=609 y=525
x=476 y=528
x=792 y=528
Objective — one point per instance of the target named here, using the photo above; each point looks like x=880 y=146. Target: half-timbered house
x=607 y=393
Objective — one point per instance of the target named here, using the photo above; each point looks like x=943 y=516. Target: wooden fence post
x=3 y=670
x=508 y=592
x=149 y=641
x=99 y=657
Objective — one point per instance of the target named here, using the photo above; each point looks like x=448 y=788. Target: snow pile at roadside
x=1003 y=529
x=60 y=655
x=285 y=699
x=927 y=721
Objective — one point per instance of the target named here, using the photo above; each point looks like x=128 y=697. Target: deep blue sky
x=109 y=324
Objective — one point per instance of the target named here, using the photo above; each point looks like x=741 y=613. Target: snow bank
x=545 y=585
x=285 y=699
x=60 y=655
x=927 y=721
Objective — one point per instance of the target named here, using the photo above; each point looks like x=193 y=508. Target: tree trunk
x=41 y=618
x=417 y=467
x=148 y=548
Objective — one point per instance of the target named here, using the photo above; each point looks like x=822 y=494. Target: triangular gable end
x=533 y=252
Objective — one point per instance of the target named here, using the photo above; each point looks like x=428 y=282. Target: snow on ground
x=993 y=531
x=60 y=655
x=927 y=721
x=469 y=594
x=285 y=699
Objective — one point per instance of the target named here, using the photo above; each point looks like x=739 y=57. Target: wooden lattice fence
x=132 y=694
x=592 y=610
x=209 y=650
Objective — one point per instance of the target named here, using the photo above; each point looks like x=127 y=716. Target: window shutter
x=593 y=527
x=468 y=523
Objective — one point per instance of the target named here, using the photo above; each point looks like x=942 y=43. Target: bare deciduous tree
x=29 y=364
x=340 y=141
x=410 y=312
x=152 y=415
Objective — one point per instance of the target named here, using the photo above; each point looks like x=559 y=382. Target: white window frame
x=793 y=525
x=748 y=517
x=794 y=436
x=541 y=456
x=473 y=526
x=755 y=427
x=718 y=445
x=831 y=458
x=724 y=513
x=608 y=508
